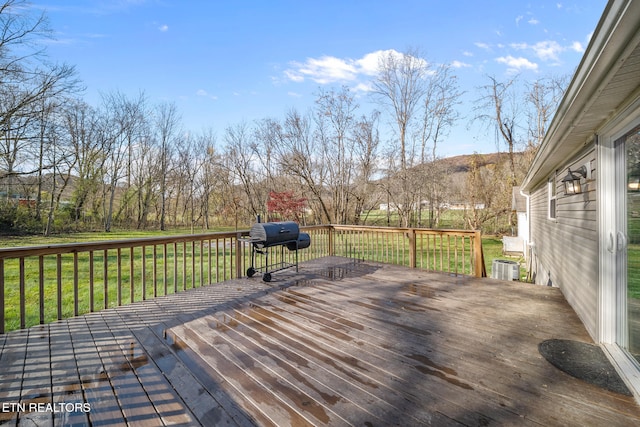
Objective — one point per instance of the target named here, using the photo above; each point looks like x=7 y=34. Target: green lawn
x=96 y=236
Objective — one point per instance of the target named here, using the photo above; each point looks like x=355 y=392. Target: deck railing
x=42 y=284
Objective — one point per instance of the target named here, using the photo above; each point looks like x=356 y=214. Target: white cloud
x=294 y=76
x=518 y=19
x=164 y=28
x=517 y=64
x=548 y=50
x=460 y=64
x=481 y=45
x=204 y=93
x=467 y=53
x=533 y=21
x=330 y=69
x=364 y=87
x=578 y=47
x=368 y=64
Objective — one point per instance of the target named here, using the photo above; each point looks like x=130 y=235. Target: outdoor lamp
x=572 y=181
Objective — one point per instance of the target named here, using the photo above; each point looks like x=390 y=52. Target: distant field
x=97 y=236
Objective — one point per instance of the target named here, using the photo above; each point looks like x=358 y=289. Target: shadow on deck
x=338 y=343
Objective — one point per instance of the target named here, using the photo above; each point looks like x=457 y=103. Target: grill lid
x=265 y=234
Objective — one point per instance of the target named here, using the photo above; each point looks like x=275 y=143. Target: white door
x=619 y=236
x=628 y=242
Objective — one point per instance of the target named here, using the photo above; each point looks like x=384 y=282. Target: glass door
x=628 y=242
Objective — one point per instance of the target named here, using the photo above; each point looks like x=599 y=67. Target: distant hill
x=462 y=163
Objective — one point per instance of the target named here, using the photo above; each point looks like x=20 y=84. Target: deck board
x=337 y=343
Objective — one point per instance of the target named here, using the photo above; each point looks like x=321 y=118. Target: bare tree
x=122 y=124
x=209 y=180
x=80 y=125
x=400 y=87
x=26 y=81
x=241 y=160
x=167 y=124
x=335 y=127
x=300 y=157
x=365 y=157
x=543 y=97
x=439 y=113
x=499 y=107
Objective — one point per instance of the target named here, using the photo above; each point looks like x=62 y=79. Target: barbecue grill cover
x=274 y=233
x=304 y=241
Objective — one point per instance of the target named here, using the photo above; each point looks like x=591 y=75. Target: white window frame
x=552 y=199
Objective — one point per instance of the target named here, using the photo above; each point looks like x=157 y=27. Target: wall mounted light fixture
x=572 y=184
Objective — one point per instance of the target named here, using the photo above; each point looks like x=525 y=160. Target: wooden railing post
x=412 y=247
x=332 y=249
x=1 y=296
x=477 y=252
x=239 y=255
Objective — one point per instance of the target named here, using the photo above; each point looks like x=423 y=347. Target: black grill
x=266 y=235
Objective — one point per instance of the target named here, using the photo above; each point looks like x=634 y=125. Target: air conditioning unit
x=505 y=270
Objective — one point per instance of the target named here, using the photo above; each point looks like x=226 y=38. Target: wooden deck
x=338 y=343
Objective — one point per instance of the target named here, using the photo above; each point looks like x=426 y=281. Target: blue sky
x=222 y=62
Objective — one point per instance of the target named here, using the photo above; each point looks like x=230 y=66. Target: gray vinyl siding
x=565 y=250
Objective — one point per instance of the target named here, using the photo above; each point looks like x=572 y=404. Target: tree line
x=127 y=162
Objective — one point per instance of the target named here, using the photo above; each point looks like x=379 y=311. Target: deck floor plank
x=337 y=343
x=408 y=370
x=65 y=378
x=199 y=401
x=418 y=349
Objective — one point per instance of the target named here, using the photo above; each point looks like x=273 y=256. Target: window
x=551 y=189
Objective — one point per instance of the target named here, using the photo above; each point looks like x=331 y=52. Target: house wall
x=564 y=251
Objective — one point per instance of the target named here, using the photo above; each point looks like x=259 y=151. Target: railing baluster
x=132 y=287
x=1 y=296
x=22 y=294
x=41 y=287
x=464 y=263
x=59 y=283
x=105 y=275
x=224 y=258
x=91 y=281
x=155 y=271
x=143 y=273
x=193 y=264
x=448 y=253
x=184 y=266
x=175 y=267
x=164 y=266
x=201 y=266
x=75 y=284
x=209 y=262
x=217 y=260
x=119 y=278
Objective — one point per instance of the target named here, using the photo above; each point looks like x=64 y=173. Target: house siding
x=565 y=249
